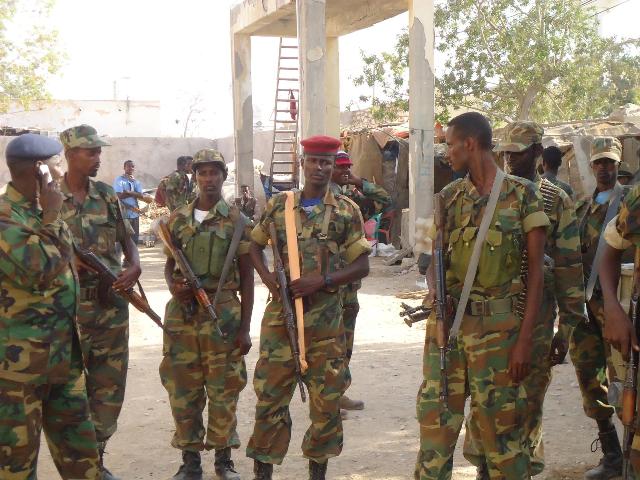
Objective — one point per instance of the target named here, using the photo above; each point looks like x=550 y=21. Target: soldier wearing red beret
x=333 y=252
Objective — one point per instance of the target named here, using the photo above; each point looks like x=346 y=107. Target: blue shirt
x=126 y=184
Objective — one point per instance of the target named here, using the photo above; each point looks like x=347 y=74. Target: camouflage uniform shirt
x=37 y=294
x=180 y=190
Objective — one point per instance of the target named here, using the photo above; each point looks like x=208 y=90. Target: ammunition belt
x=549 y=195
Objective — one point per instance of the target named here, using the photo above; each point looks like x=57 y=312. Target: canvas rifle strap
x=238 y=229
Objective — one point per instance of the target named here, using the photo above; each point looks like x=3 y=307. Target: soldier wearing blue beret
x=41 y=383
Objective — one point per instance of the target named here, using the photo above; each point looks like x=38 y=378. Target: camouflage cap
x=209 y=155
x=606 y=147
x=82 y=136
x=519 y=136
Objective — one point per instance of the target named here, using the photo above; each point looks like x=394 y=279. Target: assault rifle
x=192 y=279
x=414 y=314
x=629 y=390
x=105 y=285
x=287 y=308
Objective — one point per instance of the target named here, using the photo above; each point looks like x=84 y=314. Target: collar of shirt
x=19 y=200
x=222 y=208
x=92 y=191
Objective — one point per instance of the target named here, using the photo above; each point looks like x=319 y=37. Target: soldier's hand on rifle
x=307 y=285
x=127 y=278
x=181 y=290
x=243 y=341
x=520 y=360
x=271 y=282
x=559 y=345
x=618 y=330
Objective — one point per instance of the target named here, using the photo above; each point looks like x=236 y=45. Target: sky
x=175 y=52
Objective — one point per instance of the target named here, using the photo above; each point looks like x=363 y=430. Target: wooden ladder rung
x=288 y=89
x=289 y=58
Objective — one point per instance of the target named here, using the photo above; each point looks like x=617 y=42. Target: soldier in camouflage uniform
x=180 y=188
x=197 y=363
x=371 y=198
x=330 y=233
x=41 y=383
x=563 y=287
x=491 y=355
x=590 y=355
x=92 y=211
x=551 y=161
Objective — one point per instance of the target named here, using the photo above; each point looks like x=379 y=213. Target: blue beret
x=31 y=146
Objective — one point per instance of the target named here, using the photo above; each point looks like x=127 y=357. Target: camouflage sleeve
x=260 y=233
x=533 y=215
x=377 y=194
x=567 y=257
x=171 y=192
x=612 y=236
x=628 y=222
x=355 y=243
x=34 y=257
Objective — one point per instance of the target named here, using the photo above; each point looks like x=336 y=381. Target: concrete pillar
x=332 y=86
x=242 y=109
x=421 y=111
x=313 y=48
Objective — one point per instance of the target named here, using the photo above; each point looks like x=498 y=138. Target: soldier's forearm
x=353 y=272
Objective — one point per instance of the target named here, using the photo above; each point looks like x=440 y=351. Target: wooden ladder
x=284 y=171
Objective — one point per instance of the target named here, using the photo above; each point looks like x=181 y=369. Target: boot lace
x=595 y=445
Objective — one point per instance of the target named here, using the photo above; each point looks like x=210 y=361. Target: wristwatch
x=328 y=281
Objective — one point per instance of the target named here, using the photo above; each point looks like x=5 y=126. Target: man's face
x=245 y=191
x=209 y=178
x=457 y=151
x=55 y=167
x=317 y=170
x=129 y=168
x=341 y=174
x=606 y=172
x=188 y=166
x=521 y=163
x=85 y=161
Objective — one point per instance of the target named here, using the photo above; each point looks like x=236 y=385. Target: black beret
x=31 y=146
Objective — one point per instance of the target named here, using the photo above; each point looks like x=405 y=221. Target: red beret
x=321 y=144
x=342 y=158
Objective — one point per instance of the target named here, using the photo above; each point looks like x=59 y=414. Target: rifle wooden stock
x=441 y=302
x=134 y=298
x=192 y=279
x=287 y=309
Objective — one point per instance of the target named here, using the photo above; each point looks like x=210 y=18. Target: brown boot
x=191 y=468
x=610 y=465
x=262 y=471
x=225 y=469
x=348 y=404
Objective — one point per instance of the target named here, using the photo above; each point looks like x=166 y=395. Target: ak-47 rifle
x=107 y=277
x=442 y=303
x=287 y=308
x=192 y=279
x=414 y=314
x=629 y=412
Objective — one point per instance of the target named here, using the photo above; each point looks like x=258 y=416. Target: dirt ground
x=380 y=442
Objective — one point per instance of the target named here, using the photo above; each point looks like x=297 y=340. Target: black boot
x=191 y=468
x=317 y=471
x=610 y=465
x=224 y=465
x=482 y=472
x=105 y=474
x=262 y=471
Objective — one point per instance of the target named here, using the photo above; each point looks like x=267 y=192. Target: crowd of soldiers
x=528 y=274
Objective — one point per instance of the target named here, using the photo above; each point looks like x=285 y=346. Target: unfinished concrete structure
x=318 y=24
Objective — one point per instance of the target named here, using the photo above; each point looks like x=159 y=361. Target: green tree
x=520 y=59
x=29 y=54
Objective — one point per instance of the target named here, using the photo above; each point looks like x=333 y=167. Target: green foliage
x=526 y=59
x=28 y=51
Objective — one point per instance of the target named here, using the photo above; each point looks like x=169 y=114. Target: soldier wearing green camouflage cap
x=41 y=382
x=522 y=147
x=198 y=364
x=591 y=355
x=92 y=211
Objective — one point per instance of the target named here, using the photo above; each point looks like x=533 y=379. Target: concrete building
x=115 y=118
x=318 y=24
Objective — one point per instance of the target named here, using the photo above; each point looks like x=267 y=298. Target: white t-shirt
x=200 y=215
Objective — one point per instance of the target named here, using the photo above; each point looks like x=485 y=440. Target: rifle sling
x=238 y=230
x=614 y=203
x=472 y=268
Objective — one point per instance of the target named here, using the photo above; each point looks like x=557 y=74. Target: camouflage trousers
x=197 y=365
x=104 y=338
x=350 y=309
x=593 y=358
x=275 y=384
x=62 y=411
x=535 y=385
x=478 y=367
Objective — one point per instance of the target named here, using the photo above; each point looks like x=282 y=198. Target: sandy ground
x=380 y=442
